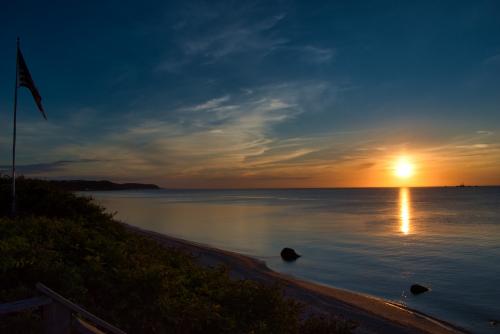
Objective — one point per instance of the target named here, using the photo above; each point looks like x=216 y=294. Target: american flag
x=25 y=80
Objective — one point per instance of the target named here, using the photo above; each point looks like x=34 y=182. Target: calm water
x=376 y=241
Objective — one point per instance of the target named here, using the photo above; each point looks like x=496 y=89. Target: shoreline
x=371 y=314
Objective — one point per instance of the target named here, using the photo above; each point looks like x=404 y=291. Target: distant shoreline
x=103 y=185
x=333 y=188
x=372 y=314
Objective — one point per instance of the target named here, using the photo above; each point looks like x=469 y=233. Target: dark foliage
x=42 y=199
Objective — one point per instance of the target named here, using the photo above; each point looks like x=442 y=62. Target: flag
x=25 y=80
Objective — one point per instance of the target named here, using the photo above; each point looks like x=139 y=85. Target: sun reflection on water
x=404 y=210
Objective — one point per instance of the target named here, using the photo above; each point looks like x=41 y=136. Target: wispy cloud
x=48 y=167
x=210 y=104
x=220 y=34
x=318 y=54
x=309 y=53
x=236 y=36
x=473 y=146
x=484 y=132
x=492 y=60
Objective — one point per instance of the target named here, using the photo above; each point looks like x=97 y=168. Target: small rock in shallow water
x=494 y=322
x=288 y=254
x=417 y=289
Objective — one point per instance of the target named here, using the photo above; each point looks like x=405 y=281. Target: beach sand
x=371 y=314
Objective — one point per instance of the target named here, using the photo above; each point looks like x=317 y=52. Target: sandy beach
x=371 y=314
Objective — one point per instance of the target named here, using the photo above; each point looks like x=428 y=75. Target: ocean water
x=374 y=241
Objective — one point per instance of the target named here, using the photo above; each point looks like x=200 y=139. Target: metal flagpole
x=14 y=136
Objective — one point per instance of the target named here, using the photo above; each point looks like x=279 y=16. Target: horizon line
x=326 y=188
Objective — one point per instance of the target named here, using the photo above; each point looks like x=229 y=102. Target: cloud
x=43 y=168
x=473 y=146
x=210 y=104
x=366 y=165
x=235 y=36
x=319 y=55
x=309 y=53
x=210 y=34
x=484 y=132
x=492 y=60
x=206 y=34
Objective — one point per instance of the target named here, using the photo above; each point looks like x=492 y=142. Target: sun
x=403 y=168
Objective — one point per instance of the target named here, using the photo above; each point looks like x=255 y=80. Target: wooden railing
x=59 y=315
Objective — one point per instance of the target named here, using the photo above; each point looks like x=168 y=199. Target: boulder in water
x=289 y=254
x=417 y=289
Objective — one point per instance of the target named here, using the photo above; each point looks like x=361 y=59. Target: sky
x=229 y=94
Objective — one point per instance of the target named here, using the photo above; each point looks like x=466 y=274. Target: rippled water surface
x=376 y=241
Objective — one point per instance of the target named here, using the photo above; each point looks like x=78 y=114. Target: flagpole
x=14 y=136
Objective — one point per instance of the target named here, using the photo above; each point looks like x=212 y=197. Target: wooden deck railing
x=59 y=315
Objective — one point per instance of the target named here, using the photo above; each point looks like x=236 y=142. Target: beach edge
x=371 y=314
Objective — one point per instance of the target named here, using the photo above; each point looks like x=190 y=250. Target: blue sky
x=232 y=93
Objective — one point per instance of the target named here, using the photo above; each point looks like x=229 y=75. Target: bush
x=70 y=244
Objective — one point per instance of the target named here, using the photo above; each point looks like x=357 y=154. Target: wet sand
x=371 y=314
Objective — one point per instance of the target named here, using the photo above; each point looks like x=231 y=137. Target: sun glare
x=403 y=168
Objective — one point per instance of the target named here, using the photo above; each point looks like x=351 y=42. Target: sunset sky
x=256 y=94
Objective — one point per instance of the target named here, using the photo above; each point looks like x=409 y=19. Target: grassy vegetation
x=68 y=243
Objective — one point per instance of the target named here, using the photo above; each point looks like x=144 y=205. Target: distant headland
x=103 y=185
